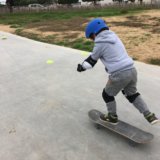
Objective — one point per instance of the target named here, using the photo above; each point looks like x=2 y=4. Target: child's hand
x=80 y=68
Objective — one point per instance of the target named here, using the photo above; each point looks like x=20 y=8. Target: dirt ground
x=140 y=33
x=6 y=28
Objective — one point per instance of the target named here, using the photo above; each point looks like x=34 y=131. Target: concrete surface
x=43 y=107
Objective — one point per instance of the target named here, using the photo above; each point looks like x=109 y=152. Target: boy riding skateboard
x=122 y=73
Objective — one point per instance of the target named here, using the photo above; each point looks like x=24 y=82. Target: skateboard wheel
x=98 y=126
x=132 y=143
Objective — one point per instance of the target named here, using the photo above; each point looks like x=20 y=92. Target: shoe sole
x=109 y=122
x=155 y=122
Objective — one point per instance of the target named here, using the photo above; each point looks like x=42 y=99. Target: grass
x=56 y=18
x=64 y=27
x=82 y=44
x=155 y=61
x=26 y=18
x=79 y=43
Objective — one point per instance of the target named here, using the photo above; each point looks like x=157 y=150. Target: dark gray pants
x=127 y=81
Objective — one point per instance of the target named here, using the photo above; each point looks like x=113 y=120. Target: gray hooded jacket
x=111 y=51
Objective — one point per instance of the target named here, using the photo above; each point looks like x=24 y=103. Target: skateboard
x=133 y=134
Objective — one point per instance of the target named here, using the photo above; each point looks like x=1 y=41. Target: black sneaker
x=151 y=118
x=113 y=119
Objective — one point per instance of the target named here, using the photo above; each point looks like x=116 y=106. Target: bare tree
x=10 y=4
x=141 y=2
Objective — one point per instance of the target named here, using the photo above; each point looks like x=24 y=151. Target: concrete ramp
x=44 y=103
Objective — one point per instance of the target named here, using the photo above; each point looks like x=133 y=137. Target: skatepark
x=44 y=104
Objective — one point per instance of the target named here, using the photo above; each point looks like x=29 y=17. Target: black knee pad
x=123 y=92
x=106 y=97
x=132 y=97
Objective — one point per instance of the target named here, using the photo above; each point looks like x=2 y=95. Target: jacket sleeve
x=96 y=53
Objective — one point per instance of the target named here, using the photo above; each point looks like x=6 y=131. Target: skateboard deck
x=130 y=132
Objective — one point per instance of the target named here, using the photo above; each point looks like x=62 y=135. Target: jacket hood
x=106 y=36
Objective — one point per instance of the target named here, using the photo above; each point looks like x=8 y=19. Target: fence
x=4 y=9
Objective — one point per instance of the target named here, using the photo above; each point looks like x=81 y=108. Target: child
x=122 y=73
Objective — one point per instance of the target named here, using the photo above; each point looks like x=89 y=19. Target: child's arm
x=87 y=64
x=91 y=60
